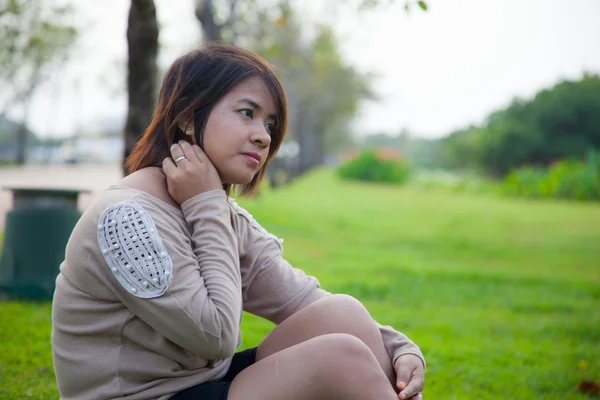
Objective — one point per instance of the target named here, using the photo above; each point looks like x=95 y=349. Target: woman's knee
x=345 y=305
x=330 y=366
x=332 y=314
x=342 y=355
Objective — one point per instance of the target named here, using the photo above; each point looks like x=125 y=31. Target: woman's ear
x=188 y=128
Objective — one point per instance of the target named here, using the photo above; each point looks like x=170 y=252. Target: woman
x=160 y=267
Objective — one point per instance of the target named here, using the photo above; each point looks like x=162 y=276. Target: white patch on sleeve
x=253 y=222
x=134 y=251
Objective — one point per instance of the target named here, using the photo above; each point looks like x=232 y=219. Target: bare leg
x=332 y=314
x=328 y=367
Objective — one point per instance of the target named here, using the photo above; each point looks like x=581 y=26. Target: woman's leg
x=332 y=314
x=328 y=367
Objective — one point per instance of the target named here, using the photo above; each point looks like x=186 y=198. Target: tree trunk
x=22 y=131
x=308 y=142
x=211 y=31
x=21 y=143
x=142 y=41
x=311 y=152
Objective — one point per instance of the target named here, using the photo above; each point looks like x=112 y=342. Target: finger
x=415 y=386
x=178 y=155
x=199 y=152
x=176 y=151
x=168 y=166
x=187 y=149
x=403 y=375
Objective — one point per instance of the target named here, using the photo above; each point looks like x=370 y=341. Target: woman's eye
x=270 y=128
x=246 y=112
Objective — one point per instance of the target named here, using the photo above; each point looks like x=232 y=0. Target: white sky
x=438 y=71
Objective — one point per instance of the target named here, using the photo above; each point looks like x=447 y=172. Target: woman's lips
x=253 y=158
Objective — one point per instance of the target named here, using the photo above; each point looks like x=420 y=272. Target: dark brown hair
x=192 y=86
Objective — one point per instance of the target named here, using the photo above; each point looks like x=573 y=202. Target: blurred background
x=472 y=87
x=455 y=142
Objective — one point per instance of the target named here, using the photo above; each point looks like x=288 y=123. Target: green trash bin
x=36 y=232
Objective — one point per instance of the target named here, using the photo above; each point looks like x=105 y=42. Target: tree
x=142 y=41
x=212 y=30
x=323 y=91
x=328 y=93
x=559 y=122
x=35 y=37
x=408 y=5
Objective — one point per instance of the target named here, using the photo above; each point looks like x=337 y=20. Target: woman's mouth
x=253 y=158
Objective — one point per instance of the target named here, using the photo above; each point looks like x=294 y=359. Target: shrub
x=372 y=166
x=565 y=179
x=524 y=181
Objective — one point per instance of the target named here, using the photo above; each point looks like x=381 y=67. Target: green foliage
x=35 y=34
x=524 y=181
x=408 y=4
x=566 y=179
x=370 y=167
x=559 y=122
x=324 y=91
x=501 y=294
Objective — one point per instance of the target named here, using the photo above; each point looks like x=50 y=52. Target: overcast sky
x=438 y=71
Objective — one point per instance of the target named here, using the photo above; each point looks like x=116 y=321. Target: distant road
x=92 y=177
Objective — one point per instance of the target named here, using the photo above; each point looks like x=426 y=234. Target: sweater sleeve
x=190 y=292
x=275 y=290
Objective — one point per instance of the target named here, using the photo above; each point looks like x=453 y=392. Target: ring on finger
x=178 y=159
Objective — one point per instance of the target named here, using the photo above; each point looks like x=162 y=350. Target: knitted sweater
x=149 y=298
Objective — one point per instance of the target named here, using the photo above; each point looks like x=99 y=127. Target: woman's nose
x=261 y=137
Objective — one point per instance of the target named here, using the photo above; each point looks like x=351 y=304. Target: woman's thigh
x=331 y=314
x=333 y=366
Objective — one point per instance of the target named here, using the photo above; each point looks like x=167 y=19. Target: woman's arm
x=274 y=290
x=188 y=292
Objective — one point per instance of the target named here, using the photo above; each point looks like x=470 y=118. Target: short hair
x=192 y=86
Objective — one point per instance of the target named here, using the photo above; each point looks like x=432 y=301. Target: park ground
x=502 y=295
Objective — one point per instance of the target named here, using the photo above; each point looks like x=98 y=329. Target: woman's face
x=237 y=134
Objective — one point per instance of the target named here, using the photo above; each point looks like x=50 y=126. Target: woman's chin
x=240 y=179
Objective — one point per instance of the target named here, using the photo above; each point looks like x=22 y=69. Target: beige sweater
x=149 y=298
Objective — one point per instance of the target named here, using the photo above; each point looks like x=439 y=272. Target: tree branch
x=232 y=14
x=205 y=15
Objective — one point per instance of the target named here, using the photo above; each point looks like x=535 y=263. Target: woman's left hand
x=410 y=376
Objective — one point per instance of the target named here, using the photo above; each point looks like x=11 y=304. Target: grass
x=502 y=295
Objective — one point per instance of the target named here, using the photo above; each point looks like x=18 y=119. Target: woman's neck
x=151 y=180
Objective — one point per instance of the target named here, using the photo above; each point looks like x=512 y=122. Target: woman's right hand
x=190 y=176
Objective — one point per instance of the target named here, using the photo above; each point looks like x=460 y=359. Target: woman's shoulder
x=150 y=181
x=145 y=188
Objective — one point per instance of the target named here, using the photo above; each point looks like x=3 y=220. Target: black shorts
x=217 y=390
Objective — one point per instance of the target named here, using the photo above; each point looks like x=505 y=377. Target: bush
x=372 y=167
x=524 y=181
x=565 y=179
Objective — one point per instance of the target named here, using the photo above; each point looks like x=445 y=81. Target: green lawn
x=502 y=295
